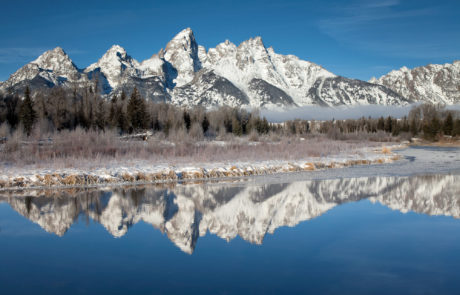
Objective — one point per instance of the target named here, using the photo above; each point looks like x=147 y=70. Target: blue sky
x=357 y=39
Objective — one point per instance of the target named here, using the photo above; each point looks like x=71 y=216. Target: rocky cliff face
x=250 y=74
x=185 y=213
x=431 y=83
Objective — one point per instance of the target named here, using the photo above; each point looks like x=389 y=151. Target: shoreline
x=135 y=175
x=453 y=144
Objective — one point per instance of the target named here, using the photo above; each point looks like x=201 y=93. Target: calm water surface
x=386 y=234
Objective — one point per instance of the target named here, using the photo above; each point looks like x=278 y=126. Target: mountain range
x=250 y=74
x=251 y=211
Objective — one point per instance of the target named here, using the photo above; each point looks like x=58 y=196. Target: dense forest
x=58 y=109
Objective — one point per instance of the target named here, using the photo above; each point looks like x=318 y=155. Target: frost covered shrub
x=210 y=133
x=253 y=136
x=178 y=135
x=90 y=148
x=42 y=129
x=274 y=137
x=334 y=133
x=4 y=131
x=13 y=143
x=196 y=132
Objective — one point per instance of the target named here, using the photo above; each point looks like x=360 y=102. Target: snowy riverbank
x=142 y=172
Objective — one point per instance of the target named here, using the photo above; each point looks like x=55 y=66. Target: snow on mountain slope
x=59 y=63
x=54 y=67
x=182 y=53
x=431 y=83
x=114 y=65
x=120 y=72
x=186 y=212
x=154 y=66
x=343 y=91
x=267 y=95
x=208 y=89
x=251 y=60
x=249 y=74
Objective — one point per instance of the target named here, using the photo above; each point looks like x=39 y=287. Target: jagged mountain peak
x=184 y=40
x=253 y=44
x=114 y=64
x=255 y=41
x=161 y=53
x=403 y=69
x=57 y=51
x=250 y=74
x=435 y=83
x=226 y=46
x=56 y=60
x=53 y=67
x=185 y=34
x=115 y=56
x=118 y=51
x=182 y=54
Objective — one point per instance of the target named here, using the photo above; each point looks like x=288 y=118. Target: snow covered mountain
x=186 y=212
x=54 y=67
x=431 y=83
x=187 y=74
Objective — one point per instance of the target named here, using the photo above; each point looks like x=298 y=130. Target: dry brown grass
x=386 y=150
x=80 y=149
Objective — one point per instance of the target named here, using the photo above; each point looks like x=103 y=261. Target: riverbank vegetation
x=61 y=125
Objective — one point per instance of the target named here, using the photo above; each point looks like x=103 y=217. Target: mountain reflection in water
x=186 y=212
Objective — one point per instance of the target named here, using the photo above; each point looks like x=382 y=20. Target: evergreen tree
x=90 y=104
x=448 y=124
x=187 y=120
x=12 y=116
x=137 y=114
x=396 y=128
x=101 y=116
x=122 y=121
x=265 y=126
x=431 y=128
x=27 y=113
x=413 y=127
x=74 y=109
x=456 y=128
x=388 y=126
x=236 y=127
x=405 y=125
x=205 y=124
x=112 y=112
x=381 y=124
x=82 y=118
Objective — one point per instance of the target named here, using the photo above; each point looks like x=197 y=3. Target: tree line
x=427 y=121
x=59 y=109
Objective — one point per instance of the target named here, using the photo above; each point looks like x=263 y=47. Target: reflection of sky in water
x=358 y=245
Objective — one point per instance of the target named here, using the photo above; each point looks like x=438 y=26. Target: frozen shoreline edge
x=40 y=179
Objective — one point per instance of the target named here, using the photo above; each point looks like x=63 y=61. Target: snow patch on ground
x=139 y=172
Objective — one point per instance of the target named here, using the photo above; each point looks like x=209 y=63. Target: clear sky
x=356 y=39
